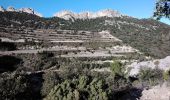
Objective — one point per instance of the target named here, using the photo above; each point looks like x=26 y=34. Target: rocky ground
x=159 y=92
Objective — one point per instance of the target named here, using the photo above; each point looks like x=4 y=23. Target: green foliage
x=50 y=79
x=11 y=87
x=166 y=75
x=117 y=68
x=151 y=76
x=106 y=64
x=29 y=20
x=83 y=80
x=75 y=86
x=145 y=39
x=45 y=60
x=96 y=90
x=20 y=87
x=62 y=91
x=85 y=89
x=162 y=9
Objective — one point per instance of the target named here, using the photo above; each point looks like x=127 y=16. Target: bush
x=62 y=91
x=166 y=75
x=50 y=80
x=20 y=87
x=11 y=87
x=117 y=68
x=151 y=76
x=45 y=60
x=83 y=80
x=85 y=90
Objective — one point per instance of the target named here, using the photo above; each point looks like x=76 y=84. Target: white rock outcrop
x=27 y=10
x=10 y=8
x=2 y=9
x=163 y=64
x=156 y=93
x=30 y=11
x=87 y=15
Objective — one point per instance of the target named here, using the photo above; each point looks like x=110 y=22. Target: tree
x=50 y=80
x=61 y=91
x=117 y=68
x=162 y=9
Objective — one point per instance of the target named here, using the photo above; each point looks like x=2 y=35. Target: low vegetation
x=72 y=82
x=49 y=76
x=151 y=76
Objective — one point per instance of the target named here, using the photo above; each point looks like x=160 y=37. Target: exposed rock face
x=30 y=11
x=87 y=15
x=65 y=14
x=108 y=13
x=2 y=9
x=157 y=93
x=163 y=64
x=11 y=9
x=27 y=10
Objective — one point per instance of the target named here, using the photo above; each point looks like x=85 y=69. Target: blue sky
x=135 y=8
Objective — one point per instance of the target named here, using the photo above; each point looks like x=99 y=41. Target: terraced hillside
x=68 y=44
x=86 y=48
x=147 y=35
x=41 y=58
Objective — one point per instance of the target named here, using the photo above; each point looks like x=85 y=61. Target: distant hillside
x=147 y=35
x=26 y=20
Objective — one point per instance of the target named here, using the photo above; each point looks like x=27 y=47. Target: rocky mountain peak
x=10 y=8
x=109 y=13
x=2 y=9
x=27 y=10
x=87 y=15
x=66 y=14
x=30 y=11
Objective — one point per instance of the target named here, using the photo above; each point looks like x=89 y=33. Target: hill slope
x=147 y=35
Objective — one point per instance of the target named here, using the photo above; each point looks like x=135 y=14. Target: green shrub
x=50 y=80
x=166 y=75
x=62 y=91
x=44 y=60
x=117 y=68
x=151 y=76
x=85 y=90
x=96 y=90
x=83 y=82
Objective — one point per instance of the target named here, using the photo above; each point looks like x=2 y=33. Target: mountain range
x=147 y=35
x=27 y=10
x=81 y=55
x=66 y=14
